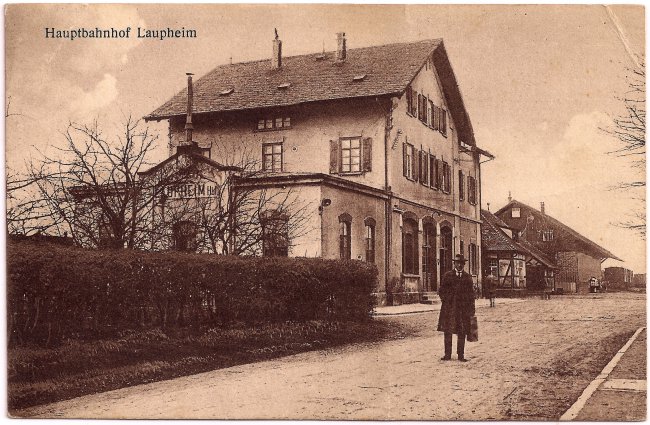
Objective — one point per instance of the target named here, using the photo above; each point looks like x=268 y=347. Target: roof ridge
x=569 y=228
x=253 y=61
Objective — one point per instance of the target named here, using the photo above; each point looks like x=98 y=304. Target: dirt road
x=533 y=360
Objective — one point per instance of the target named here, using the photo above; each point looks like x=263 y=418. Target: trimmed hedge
x=56 y=292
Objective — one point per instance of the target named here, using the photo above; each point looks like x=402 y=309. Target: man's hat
x=460 y=258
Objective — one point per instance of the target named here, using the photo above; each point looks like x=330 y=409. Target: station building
x=375 y=142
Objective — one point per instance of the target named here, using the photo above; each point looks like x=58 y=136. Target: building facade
x=578 y=259
x=374 y=144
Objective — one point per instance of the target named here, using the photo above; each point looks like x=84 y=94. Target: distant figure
x=457 y=297
x=490 y=286
x=593 y=285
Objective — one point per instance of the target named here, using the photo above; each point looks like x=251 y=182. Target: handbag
x=473 y=330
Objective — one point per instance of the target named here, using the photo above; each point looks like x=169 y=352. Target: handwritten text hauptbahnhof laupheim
x=160 y=34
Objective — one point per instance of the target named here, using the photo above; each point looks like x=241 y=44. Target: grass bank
x=38 y=375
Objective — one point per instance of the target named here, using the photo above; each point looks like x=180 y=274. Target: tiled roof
x=388 y=70
x=593 y=246
x=495 y=239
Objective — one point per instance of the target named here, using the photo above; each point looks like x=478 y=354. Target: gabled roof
x=195 y=157
x=602 y=252
x=494 y=238
x=388 y=70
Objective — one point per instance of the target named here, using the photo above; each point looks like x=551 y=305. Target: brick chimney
x=341 y=51
x=276 y=60
x=541 y=208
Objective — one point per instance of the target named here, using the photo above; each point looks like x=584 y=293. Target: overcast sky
x=538 y=83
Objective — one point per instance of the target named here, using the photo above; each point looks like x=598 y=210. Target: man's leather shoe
x=445 y=358
x=463 y=359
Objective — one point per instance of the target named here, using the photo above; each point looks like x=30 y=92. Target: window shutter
x=461 y=185
x=367 y=154
x=423 y=167
x=404 y=167
x=439 y=172
x=334 y=156
x=409 y=99
x=443 y=124
x=415 y=103
x=416 y=164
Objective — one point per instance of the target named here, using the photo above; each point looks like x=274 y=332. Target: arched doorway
x=446 y=249
x=429 y=269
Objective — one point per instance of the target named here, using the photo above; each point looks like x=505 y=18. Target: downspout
x=389 y=200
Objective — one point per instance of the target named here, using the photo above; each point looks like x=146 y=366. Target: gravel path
x=532 y=361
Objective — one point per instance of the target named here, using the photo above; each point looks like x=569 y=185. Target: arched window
x=446 y=249
x=345 y=236
x=370 y=239
x=410 y=251
x=275 y=234
x=185 y=236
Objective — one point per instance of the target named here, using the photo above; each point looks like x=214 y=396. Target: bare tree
x=105 y=192
x=629 y=128
x=232 y=214
x=90 y=186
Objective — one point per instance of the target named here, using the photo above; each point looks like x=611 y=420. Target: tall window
x=410 y=256
x=411 y=96
x=272 y=157
x=493 y=267
x=345 y=238
x=471 y=190
x=433 y=172
x=461 y=185
x=473 y=259
x=446 y=177
x=184 y=233
x=275 y=234
x=424 y=168
x=408 y=161
x=422 y=108
x=350 y=155
x=370 y=240
x=446 y=249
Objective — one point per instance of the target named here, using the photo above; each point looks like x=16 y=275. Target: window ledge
x=410 y=275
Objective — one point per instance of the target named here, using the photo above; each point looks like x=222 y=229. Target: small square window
x=260 y=125
x=278 y=122
x=516 y=213
x=287 y=122
x=269 y=124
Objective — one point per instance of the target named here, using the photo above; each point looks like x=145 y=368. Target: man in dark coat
x=457 y=297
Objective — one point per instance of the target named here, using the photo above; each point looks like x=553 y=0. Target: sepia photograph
x=325 y=212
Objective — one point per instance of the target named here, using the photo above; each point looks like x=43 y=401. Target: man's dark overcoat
x=457 y=297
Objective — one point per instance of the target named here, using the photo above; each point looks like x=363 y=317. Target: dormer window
x=227 y=92
x=359 y=77
x=515 y=213
x=278 y=123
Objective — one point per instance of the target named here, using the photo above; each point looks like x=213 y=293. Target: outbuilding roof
x=387 y=70
x=494 y=238
x=592 y=246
